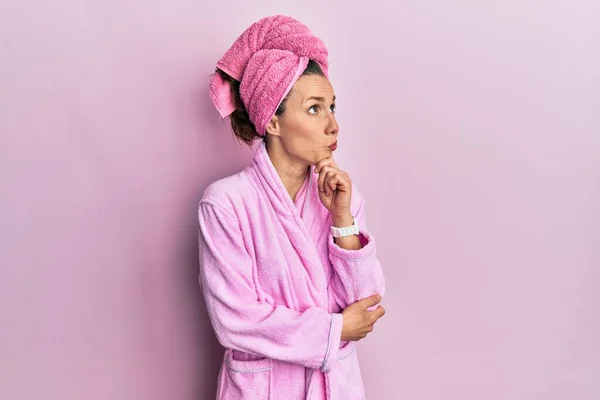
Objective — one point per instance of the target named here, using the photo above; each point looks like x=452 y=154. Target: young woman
x=287 y=267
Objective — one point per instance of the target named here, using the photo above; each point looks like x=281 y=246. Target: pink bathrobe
x=275 y=284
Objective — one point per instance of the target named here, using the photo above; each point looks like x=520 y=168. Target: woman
x=288 y=270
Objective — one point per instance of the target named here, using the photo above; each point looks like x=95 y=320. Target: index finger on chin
x=327 y=161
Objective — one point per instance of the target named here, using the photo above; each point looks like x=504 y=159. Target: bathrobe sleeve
x=357 y=273
x=243 y=322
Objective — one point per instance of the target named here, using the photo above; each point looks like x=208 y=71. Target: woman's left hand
x=335 y=191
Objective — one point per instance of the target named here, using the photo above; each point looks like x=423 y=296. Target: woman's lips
x=333 y=146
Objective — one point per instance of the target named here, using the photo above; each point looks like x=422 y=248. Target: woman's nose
x=332 y=126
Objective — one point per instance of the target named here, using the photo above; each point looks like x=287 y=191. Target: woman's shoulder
x=228 y=191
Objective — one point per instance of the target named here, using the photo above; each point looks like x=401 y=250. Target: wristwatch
x=345 y=231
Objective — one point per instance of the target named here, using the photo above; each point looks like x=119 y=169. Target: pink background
x=472 y=128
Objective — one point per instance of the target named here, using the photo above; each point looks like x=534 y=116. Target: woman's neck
x=291 y=172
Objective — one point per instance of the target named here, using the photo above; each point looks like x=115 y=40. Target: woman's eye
x=333 y=108
x=313 y=109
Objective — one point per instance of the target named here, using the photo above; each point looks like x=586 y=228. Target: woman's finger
x=323 y=177
x=342 y=182
x=329 y=178
x=333 y=182
x=326 y=162
x=332 y=177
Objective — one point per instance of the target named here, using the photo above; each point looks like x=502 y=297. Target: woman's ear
x=273 y=126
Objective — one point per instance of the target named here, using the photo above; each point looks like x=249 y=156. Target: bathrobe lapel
x=304 y=262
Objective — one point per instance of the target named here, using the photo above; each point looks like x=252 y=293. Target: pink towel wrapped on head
x=267 y=60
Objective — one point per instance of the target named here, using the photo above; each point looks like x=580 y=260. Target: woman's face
x=307 y=128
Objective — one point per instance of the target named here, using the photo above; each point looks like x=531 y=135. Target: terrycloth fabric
x=275 y=283
x=267 y=60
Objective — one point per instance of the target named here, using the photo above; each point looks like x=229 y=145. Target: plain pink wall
x=472 y=128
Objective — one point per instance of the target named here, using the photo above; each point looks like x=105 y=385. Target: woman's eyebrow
x=318 y=98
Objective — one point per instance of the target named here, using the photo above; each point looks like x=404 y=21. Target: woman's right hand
x=358 y=320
